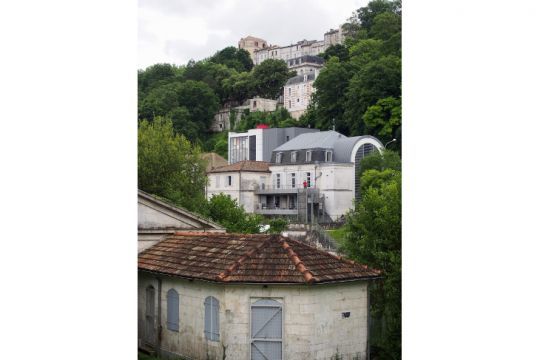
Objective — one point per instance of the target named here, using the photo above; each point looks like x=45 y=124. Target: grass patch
x=338 y=234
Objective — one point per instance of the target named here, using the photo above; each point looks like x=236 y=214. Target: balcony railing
x=262 y=206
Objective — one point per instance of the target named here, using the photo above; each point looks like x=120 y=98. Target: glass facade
x=239 y=149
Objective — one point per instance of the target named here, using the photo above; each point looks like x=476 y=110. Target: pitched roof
x=213 y=160
x=246 y=165
x=165 y=208
x=248 y=258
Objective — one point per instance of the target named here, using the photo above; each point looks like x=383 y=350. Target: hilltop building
x=238 y=296
x=257 y=144
x=315 y=176
x=252 y=44
x=307 y=64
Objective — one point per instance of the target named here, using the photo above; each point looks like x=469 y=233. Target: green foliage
x=276 y=119
x=169 y=166
x=278 y=225
x=360 y=85
x=238 y=59
x=239 y=87
x=384 y=119
x=211 y=74
x=218 y=143
x=373 y=237
x=226 y=211
x=375 y=161
x=270 y=76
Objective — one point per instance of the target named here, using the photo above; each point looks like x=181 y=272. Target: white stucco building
x=314 y=176
x=242 y=297
x=297 y=93
x=239 y=181
x=157 y=219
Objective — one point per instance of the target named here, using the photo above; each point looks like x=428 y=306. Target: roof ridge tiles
x=308 y=276
x=250 y=253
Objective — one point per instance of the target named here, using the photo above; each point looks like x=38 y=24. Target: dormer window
x=328 y=156
x=308 y=156
x=278 y=158
x=294 y=155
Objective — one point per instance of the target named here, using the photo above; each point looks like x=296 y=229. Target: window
x=308 y=179
x=293 y=180
x=289 y=91
x=278 y=157
x=328 y=156
x=217 y=180
x=211 y=318
x=289 y=104
x=278 y=181
x=254 y=104
x=229 y=180
x=287 y=138
x=297 y=100
x=173 y=308
x=308 y=155
x=293 y=154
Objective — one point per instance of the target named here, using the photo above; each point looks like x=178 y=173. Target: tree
x=367 y=14
x=329 y=99
x=238 y=59
x=239 y=87
x=211 y=74
x=337 y=50
x=373 y=237
x=270 y=76
x=226 y=211
x=384 y=119
x=378 y=79
x=158 y=74
x=376 y=161
x=169 y=166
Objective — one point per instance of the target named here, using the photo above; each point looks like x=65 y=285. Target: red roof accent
x=248 y=258
x=262 y=126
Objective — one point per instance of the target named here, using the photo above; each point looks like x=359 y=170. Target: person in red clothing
x=305 y=184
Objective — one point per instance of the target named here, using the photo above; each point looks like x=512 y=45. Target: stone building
x=315 y=176
x=334 y=37
x=239 y=181
x=293 y=51
x=157 y=219
x=236 y=296
x=222 y=119
x=297 y=93
x=252 y=44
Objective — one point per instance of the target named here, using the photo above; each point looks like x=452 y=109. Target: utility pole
x=333 y=124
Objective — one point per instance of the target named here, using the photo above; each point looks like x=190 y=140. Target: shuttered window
x=173 y=309
x=211 y=318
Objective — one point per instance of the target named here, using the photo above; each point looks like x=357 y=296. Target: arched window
x=173 y=309
x=211 y=318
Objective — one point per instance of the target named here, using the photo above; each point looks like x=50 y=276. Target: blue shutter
x=207 y=318
x=215 y=319
x=211 y=318
x=173 y=309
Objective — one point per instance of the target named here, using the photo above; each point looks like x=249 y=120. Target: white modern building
x=315 y=176
x=239 y=181
x=258 y=144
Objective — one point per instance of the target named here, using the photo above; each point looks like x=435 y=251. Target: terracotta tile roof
x=246 y=165
x=241 y=258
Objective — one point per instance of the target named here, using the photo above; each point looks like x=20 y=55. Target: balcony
x=267 y=209
x=282 y=189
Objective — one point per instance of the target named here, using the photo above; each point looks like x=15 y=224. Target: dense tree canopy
x=169 y=166
x=270 y=76
x=238 y=59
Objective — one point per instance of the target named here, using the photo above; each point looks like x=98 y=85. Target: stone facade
x=297 y=94
x=222 y=119
x=318 y=321
x=252 y=44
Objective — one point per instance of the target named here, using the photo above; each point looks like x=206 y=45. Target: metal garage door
x=266 y=330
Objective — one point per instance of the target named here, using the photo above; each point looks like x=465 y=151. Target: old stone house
x=297 y=93
x=234 y=296
x=158 y=218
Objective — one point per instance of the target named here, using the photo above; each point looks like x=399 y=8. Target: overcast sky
x=175 y=31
